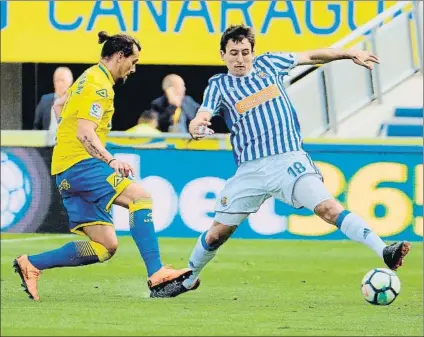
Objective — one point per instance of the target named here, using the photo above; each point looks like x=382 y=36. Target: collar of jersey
x=249 y=74
x=107 y=73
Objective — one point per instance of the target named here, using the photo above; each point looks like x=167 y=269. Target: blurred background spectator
x=175 y=108
x=45 y=118
x=147 y=123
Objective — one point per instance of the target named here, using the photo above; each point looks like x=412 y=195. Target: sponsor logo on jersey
x=257 y=98
x=96 y=111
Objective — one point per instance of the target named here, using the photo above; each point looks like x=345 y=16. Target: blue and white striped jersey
x=256 y=108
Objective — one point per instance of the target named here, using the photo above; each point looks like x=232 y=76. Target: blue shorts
x=88 y=190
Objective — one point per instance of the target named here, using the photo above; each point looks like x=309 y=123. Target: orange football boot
x=29 y=276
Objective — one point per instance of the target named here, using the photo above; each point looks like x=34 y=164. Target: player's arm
x=90 y=114
x=199 y=125
x=363 y=58
x=88 y=137
x=90 y=140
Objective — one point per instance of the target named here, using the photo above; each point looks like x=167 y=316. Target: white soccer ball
x=15 y=191
x=380 y=286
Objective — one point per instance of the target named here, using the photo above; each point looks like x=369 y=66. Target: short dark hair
x=148 y=115
x=117 y=43
x=237 y=33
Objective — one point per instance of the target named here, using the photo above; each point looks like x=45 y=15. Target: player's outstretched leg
x=163 y=281
x=72 y=254
x=356 y=229
x=311 y=192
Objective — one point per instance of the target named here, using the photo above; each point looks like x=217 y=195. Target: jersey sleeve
x=93 y=102
x=211 y=98
x=282 y=62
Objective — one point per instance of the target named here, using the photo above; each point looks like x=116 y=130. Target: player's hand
x=364 y=58
x=173 y=98
x=122 y=168
x=198 y=128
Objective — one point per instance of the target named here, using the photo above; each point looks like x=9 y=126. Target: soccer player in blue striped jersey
x=267 y=146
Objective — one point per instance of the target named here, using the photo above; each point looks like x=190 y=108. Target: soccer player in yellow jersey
x=90 y=179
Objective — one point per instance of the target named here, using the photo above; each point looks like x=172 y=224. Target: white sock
x=199 y=258
x=355 y=228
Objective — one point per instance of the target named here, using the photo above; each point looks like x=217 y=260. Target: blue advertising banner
x=30 y=201
x=381 y=183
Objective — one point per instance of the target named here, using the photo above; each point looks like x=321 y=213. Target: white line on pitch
x=50 y=237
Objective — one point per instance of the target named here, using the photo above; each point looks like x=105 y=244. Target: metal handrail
x=360 y=31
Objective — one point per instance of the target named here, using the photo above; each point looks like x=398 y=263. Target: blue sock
x=72 y=254
x=144 y=235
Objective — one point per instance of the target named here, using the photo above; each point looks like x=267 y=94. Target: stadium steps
x=403 y=126
x=409 y=112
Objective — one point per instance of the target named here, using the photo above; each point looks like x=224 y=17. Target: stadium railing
x=34 y=139
x=337 y=90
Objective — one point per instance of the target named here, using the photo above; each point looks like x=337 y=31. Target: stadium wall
x=381 y=182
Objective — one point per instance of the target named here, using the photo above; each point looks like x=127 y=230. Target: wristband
x=111 y=161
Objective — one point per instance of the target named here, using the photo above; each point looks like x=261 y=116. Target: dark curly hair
x=237 y=33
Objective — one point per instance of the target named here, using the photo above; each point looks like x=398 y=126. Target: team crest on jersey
x=102 y=93
x=262 y=74
x=96 y=111
x=224 y=201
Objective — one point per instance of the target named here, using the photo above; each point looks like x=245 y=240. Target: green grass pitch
x=253 y=287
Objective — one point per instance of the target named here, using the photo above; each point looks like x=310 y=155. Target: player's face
x=238 y=56
x=127 y=65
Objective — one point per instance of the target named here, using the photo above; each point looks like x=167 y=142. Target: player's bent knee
x=104 y=251
x=329 y=210
x=109 y=246
x=103 y=240
x=112 y=248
